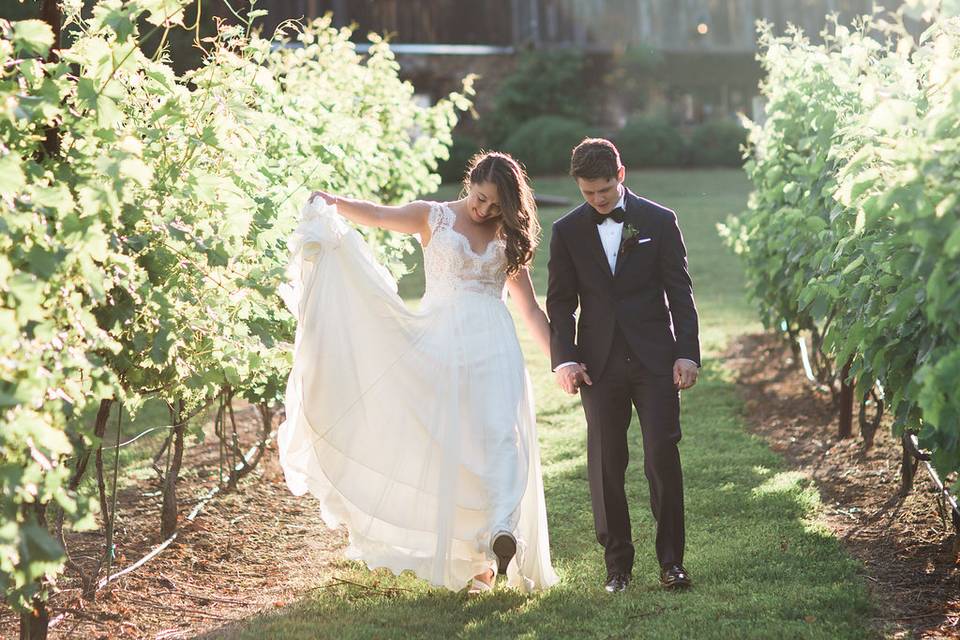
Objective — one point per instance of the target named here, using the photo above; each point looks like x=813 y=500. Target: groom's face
x=602 y=193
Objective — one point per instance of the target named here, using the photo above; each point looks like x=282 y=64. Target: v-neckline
x=466 y=240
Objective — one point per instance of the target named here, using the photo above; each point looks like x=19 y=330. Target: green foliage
x=143 y=258
x=463 y=148
x=544 y=143
x=32 y=36
x=650 y=141
x=544 y=83
x=717 y=143
x=631 y=73
x=852 y=226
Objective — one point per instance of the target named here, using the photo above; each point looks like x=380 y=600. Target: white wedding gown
x=415 y=429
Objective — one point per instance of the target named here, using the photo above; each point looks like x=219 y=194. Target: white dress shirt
x=611 y=233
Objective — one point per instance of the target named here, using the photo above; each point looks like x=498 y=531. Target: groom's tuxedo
x=635 y=321
x=650 y=274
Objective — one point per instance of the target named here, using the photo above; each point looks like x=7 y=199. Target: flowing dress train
x=415 y=429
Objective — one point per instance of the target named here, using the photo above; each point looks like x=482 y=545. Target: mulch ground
x=250 y=550
x=907 y=548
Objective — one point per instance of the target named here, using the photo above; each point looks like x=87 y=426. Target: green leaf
x=42 y=262
x=32 y=36
x=95 y=242
x=56 y=198
x=217 y=255
x=952 y=246
x=854 y=264
x=120 y=18
x=108 y=114
x=815 y=224
x=820 y=306
x=12 y=179
x=160 y=350
x=41 y=553
x=161 y=11
x=87 y=93
x=137 y=170
x=29 y=292
x=231 y=375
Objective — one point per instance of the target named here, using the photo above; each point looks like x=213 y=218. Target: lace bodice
x=451 y=266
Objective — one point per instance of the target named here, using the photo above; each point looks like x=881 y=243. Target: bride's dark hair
x=520 y=229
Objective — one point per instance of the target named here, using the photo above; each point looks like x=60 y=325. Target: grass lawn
x=762 y=567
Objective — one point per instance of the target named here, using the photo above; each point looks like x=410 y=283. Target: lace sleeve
x=439 y=216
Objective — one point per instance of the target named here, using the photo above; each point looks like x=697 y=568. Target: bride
x=416 y=429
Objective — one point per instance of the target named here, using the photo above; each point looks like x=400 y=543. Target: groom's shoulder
x=654 y=209
x=568 y=218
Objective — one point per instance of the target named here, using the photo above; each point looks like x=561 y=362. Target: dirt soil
x=249 y=550
x=908 y=550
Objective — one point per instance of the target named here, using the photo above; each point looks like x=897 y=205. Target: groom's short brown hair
x=595 y=158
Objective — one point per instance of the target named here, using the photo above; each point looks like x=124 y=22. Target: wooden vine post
x=846 y=402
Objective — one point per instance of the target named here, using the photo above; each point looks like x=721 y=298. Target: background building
x=701 y=53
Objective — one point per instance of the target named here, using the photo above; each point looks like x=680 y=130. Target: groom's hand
x=571 y=376
x=684 y=373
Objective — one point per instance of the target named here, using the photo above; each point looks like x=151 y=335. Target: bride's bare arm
x=406 y=218
x=520 y=287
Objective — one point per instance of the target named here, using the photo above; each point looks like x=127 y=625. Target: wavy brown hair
x=595 y=158
x=520 y=227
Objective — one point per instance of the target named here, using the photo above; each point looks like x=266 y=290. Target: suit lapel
x=592 y=239
x=631 y=218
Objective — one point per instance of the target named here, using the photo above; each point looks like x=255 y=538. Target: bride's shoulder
x=440 y=215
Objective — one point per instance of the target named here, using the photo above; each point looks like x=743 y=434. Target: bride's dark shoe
x=504 y=545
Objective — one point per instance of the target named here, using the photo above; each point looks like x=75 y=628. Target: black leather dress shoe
x=674 y=576
x=617 y=582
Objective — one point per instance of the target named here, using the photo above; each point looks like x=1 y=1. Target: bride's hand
x=329 y=198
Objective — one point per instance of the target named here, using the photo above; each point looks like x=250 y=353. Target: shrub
x=717 y=143
x=543 y=144
x=544 y=83
x=852 y=236
x=650 y=141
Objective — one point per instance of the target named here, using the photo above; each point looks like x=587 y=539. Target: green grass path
x=762 y=567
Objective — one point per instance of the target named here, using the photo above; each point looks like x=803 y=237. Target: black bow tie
x=616 y=215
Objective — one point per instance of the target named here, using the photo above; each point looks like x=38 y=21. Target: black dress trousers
x=623 y=385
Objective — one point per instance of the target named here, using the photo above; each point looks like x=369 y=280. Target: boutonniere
x=631 y=237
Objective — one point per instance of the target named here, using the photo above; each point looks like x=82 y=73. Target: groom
x=621 y=260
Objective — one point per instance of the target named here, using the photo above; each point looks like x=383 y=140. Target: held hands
x=572 y=376
x=684 y=374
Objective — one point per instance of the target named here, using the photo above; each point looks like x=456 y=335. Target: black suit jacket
x=650 y=296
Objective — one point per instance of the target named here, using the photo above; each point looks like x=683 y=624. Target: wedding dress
x=415 y=429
